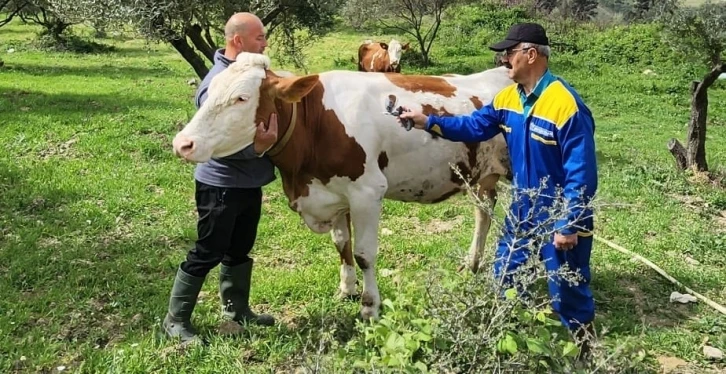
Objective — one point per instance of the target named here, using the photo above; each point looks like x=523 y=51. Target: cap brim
x=503 y=45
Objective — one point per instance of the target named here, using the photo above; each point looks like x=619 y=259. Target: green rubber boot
x=177 y=322
x=234 y=292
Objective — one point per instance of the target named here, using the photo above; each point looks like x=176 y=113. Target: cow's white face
x=395 y=50
x=225 y=123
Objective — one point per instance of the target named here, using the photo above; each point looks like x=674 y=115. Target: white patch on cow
x=225 y=123
x=323 y=204
x=395 y=50
x=341 y=237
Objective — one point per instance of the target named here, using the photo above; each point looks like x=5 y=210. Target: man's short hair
x=543 y=50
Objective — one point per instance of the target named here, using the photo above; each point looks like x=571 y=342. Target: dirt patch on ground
x=653 y=312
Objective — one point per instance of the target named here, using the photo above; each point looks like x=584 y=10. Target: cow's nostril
x=187 y=147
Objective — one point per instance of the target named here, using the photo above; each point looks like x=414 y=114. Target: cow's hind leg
x=487 y=192
x=341 y=238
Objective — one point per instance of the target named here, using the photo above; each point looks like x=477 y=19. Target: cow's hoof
x=369 y=313
x=345 y=296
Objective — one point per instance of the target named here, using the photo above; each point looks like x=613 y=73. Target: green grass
x=96 y=214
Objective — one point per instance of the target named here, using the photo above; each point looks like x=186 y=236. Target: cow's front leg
x=365 y=212
x=341 y=238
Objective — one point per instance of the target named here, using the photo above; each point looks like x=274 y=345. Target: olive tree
x=194 y=28
x=9 y=9
x=700 y=33
x=420 y=19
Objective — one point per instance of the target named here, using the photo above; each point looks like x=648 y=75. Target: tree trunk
x=695 y=151
x=180 y=44
x=194 y=32
x=678 y=152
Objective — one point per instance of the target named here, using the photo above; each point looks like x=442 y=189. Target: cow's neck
x=286 y=153
x=284 y=131
x=295 y=159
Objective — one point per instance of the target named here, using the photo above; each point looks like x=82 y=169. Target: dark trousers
x=227 y=227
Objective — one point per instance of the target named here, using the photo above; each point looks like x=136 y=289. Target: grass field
x=96 y=214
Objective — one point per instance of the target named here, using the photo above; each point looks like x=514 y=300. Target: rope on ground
x=660 y=271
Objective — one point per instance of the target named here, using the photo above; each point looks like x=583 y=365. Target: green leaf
x=544 y=334
x=393 y=361
x=510 y=294
x=570 y=349
x=388 y=303
x=421 y=367
x=536 y=346
x=394 y=342
x=541 y=317
x=507 y=345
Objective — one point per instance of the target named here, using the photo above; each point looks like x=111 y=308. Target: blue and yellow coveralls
x=550 y=137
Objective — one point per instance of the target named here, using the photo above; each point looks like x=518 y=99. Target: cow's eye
x=241 y=99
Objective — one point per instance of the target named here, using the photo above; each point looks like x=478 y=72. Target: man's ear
x=293 y=89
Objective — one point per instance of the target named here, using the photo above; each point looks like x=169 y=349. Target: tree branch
x=13 y=13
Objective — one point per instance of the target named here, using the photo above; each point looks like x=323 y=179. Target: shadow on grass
x=62 y=105
x=106 y=71
x=627 y=303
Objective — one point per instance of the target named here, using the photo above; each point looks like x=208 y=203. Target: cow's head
x=395 y=50
x=239 y=98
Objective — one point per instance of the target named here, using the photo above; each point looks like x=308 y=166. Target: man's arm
x=481 y=125
x=577 y=144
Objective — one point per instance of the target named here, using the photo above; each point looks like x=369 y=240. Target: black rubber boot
x=234 y=292
x=177 y=322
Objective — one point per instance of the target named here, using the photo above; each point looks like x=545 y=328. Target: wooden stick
x=660 y=271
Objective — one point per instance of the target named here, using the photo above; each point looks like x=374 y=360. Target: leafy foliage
x=699 y=33
x=470 y=28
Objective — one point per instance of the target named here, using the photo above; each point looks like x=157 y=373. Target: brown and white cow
x=339 y=155
x=381 y=57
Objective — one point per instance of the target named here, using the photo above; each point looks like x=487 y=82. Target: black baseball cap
x=522 y=33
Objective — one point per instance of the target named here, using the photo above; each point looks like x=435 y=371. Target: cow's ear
x=384 y=45
x=293 y=89
x=405 y=46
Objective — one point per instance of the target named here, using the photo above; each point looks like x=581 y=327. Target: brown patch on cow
x=477 y=103
x=362 y=262
x=319 y=147
x=382 y=161
x=422 y=83
x=373 y=57
x=429 y=109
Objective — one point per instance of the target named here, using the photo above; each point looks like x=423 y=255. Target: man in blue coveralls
x=550 y=137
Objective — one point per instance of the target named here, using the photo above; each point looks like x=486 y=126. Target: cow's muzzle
x=183 y=146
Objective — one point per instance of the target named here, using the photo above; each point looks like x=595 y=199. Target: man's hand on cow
x=419 y=119
x=565 y=242
x=266 y=135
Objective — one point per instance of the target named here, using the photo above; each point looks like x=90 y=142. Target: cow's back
x=415 y=163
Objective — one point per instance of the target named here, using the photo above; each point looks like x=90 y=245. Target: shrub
x=469 y=29
x=465 y=323
x=639 y=44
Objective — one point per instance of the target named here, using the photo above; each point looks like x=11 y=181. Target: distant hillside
x=699 y=2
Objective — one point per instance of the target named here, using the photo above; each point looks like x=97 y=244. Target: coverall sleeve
x=480 y=125
x=577 y=145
